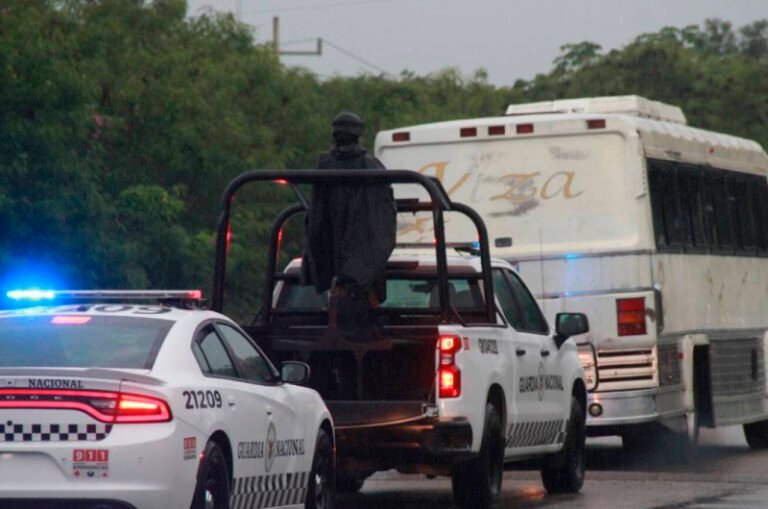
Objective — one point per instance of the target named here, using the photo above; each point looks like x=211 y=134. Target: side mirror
x=293 y=372
x=570 y=324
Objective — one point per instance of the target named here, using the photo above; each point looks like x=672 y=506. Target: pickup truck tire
x=564 y=473
x=477 y=483
x=756 y=434
x=346 y=484
x=322 y=479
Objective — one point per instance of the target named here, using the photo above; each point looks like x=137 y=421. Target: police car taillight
x=132 y=408
x=105 y=406
x=449 y=375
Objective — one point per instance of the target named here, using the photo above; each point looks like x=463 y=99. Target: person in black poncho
x=350 y=233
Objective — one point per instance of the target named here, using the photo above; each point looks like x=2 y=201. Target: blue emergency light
x=33 y=294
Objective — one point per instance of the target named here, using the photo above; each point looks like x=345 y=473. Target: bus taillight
x=630 y=316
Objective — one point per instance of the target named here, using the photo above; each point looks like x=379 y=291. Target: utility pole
x=276 y=42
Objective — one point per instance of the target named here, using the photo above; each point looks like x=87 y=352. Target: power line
x=320 y=6
x=355 y=57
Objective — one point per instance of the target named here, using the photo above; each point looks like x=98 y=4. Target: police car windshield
x=81 y=341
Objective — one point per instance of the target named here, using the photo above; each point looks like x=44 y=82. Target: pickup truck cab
x=454 y=383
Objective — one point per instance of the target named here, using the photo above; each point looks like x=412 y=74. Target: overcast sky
x=511 y=39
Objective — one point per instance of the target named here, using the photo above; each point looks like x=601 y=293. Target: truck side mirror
x=293 y=372
x=570 y=324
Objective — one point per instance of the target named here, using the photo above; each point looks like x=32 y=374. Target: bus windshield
x=552 y=194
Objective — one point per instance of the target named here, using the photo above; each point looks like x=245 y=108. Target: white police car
x=123 y=405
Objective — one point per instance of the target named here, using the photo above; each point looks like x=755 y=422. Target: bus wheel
x=756 y=434
x=564 y=473
x=693 y=428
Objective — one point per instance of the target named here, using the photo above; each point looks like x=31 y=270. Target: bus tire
x=476 y=483
x=564 y=473
x=756 y=434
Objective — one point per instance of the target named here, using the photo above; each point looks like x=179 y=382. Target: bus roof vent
x=625 y=104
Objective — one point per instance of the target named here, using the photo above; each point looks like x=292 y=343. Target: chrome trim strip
x=575 y=256
x=588 y=293
x=718 y=334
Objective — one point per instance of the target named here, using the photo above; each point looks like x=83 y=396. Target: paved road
x=724 y=474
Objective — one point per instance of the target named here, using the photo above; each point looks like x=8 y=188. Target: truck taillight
x=630 y=316
x=449 y=375
x=450 y=382
x=450 y=344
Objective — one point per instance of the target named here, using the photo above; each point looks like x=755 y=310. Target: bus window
x=744 y=221
x=759 y=192
x=722 y=211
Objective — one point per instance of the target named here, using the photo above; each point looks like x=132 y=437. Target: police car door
x=551 y=389
x=281 y=472
x=525 y=418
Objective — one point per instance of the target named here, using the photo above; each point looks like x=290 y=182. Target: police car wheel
x=564 y=473
x=322 y=479
x=477 y=482
x=756 y=434
x=212 y=489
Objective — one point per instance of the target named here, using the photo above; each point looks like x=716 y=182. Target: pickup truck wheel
x=321 y=491
x=477 y=482
x=564 y=473
x=756 y=434
x=212 y=489
x=346 y=484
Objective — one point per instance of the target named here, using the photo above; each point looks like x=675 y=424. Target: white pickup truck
x=454 y=383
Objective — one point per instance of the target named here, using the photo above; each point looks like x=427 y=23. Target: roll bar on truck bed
x=440 y=203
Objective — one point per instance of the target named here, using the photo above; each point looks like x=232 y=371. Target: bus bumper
x=608 y=412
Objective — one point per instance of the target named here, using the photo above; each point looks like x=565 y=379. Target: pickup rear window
x=402 y=293
x=81 y=341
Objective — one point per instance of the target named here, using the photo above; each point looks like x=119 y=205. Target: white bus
x=658 y=231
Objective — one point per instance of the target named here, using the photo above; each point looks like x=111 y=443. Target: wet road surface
x=723 y=474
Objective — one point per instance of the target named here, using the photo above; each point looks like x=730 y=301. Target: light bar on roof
x=32 y=295
x=40 y=295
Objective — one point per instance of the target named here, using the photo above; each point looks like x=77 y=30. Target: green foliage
x=121 y=122
x=715 y=74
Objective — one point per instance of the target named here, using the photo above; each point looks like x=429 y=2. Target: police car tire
x=477 y=483
x=756 y=434
x=566 y=473
x=321 y=490
x=212 y=480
